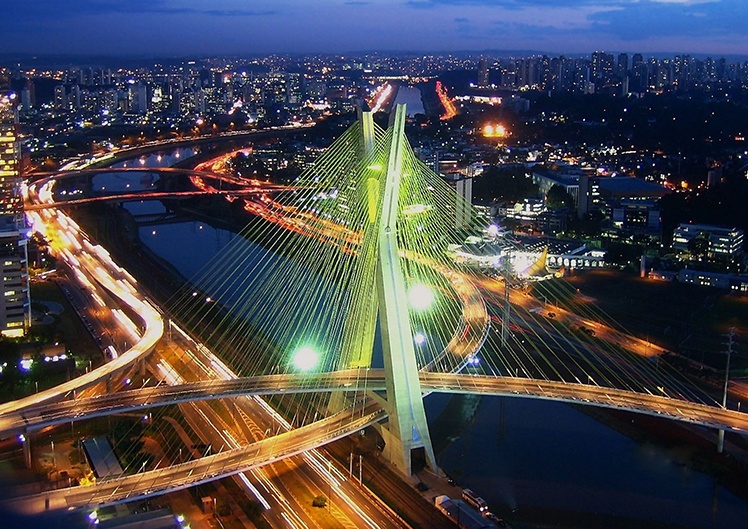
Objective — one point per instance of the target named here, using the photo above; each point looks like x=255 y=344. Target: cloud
x=235 y=13
x=55 y=9
x=603 y=20
x=519 y=4
x=511 y=4
x=670 y=19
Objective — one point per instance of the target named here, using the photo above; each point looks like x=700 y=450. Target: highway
x=373 y=380
x=276 y=485
x=352 y=504
x=163 y=480
x=95 y=270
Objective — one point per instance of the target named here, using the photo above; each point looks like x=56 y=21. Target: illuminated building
x=494 y=131
x=734 y=282
x=602 y=65
x=464 y=187
x=483 y=72
x=15 y=306
x=720 y=242
x=546 y=179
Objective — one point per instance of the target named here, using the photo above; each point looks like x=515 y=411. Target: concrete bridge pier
x=407 y=429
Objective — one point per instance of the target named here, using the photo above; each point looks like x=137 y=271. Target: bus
x=471 y=498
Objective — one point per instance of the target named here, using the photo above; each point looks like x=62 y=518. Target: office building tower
x=483 y=72
x=464 y=198
x=623 y=65
x=15 y=305
x=138 y=98
x=602 y=65
x=61 y=100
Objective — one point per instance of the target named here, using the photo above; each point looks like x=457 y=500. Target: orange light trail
x=450 y=110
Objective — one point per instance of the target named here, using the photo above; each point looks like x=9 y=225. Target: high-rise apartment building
x=15 y=305
x=483 y=72
x=602 y=65
x=623 y=65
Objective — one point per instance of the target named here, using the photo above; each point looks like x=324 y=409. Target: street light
x=305 y=359
x=420 y=297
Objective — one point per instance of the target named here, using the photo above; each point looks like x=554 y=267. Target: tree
x=253 y=508
x=127 y=438
x=503 y=184
x=698 y=247
x=623 y=254
x=248 y=166
x=558 y=197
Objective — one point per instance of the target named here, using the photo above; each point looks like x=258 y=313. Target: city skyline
x=171 y=27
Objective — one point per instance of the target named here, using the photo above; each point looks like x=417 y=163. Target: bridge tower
x=407 y=429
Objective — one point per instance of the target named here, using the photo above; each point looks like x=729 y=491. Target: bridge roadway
x=156 y=195
x=115 y=282
x=94 y=268
x=245 y=187
x=355 y=380
x=352 y=419
x=205 y=469
x=92 y=171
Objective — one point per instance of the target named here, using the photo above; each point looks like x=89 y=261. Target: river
x=411 y=97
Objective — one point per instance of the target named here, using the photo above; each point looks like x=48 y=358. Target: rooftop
x=629 y=185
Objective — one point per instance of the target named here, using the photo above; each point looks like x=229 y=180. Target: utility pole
x=730 y=343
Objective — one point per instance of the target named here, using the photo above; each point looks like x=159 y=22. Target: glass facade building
x=15 y=305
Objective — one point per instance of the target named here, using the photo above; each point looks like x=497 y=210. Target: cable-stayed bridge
x=343 y=300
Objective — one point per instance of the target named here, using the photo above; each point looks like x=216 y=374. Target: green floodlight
x=420 y=297
x=305 y=359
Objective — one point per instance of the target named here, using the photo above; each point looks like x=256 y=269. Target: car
x=495 y=519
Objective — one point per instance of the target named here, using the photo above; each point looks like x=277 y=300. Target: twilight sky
x=186 y=27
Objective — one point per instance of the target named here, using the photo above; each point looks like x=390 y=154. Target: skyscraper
x=15 y=305
x=602 y=65
x=483 y=72
x=623 y=65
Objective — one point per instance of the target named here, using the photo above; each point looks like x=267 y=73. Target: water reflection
x=552 y=458
x=411 y=97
